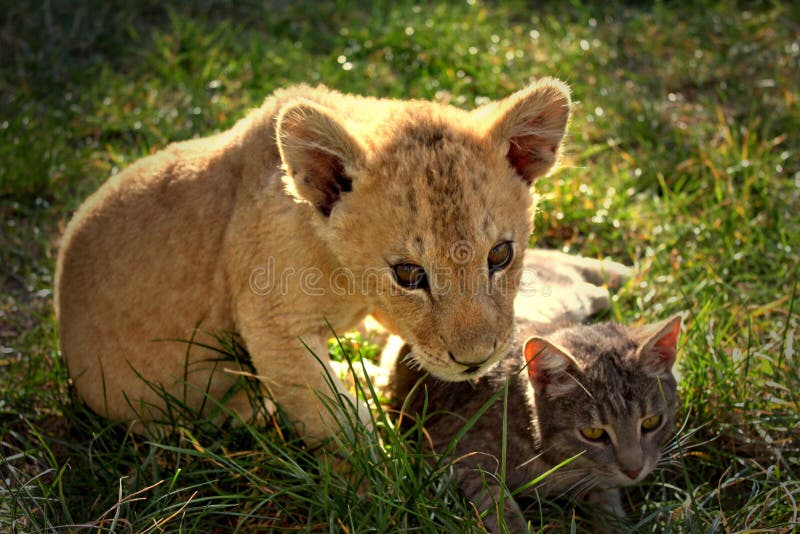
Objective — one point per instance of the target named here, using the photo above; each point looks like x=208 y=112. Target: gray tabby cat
x=603 y=392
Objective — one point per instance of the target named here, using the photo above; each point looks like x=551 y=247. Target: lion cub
x=311 y=212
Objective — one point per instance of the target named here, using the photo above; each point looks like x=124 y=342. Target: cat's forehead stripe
x=615 y=407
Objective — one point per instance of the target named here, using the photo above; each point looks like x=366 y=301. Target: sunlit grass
x=683 y=159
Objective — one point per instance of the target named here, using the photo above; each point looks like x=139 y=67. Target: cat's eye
x=500 y=256
x=410 y=276
x=593 y=433
x=651 y=423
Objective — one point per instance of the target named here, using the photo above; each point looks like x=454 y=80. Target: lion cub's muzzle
x=479 y=360
x=470 y=368
x=449 y=367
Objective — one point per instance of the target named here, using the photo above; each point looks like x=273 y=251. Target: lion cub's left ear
x=530 y=125
x=318 y=152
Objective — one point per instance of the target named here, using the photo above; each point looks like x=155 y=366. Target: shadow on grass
x=682 y=156
x=79 y=471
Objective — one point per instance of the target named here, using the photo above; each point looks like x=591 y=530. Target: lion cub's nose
x=472 y=364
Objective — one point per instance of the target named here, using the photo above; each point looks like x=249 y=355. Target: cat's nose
x=630 y=461
x=632 y=473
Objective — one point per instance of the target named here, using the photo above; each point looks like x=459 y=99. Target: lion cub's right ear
x=530 y=125
x=318 y=152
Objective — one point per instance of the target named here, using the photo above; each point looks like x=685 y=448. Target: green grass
x=683 y=159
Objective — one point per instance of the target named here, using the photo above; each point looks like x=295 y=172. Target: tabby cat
x=603 y=394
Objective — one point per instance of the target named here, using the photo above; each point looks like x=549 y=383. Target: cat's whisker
x=680 y=441
x=573 y=478
x=575 y=379
x=575 y=487
x=590 y=485
x=667 y=468
x=679 y=446
x=581 y=487
x=668 y=460
x=531 y=459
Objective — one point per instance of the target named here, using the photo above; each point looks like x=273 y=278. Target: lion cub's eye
x=593 y=433
x=410 y=276
x=651 y=423
x=500 y=256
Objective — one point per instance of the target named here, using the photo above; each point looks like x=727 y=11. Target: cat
x=603 y=394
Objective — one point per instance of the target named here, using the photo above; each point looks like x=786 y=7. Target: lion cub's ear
x=530 y=125
x=317 y=152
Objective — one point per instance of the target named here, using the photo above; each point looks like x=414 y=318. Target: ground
x=683 y=160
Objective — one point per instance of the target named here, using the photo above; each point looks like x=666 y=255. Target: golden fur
x=292 y=218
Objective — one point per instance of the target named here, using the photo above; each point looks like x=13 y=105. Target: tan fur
x=228 y=232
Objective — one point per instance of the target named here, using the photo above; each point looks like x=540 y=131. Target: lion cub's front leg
x=313 y=398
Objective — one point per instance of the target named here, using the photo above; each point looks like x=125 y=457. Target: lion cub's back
x=140 y=258
x=153 y=208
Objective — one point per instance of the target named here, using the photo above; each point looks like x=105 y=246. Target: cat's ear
x=550 y=367
x=530 y=125
x=318 y=152
x=660 y=347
